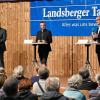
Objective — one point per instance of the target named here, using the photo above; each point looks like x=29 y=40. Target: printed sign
x=64 y=17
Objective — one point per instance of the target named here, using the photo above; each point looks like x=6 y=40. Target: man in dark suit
x=2 y=45
x=44 y=36
x=96 y=37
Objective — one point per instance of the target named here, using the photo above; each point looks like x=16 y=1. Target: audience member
x=52 y=87
x=18 y=72
x=24 y=90
x=10 y=88
x=72 y=91
x=87 y=83
x=39 y=87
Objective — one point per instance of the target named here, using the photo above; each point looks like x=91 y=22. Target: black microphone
x=94 y=30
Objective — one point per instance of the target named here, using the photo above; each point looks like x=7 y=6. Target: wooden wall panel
x=65 y=59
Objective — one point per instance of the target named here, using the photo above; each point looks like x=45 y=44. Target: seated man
x=10 y=89
x=52 y=87
x=87 y=83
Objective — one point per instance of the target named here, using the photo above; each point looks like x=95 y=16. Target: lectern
x=35 y=44
x=87 y=44
x=31 y=42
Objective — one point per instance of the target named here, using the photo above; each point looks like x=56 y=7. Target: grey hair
x=18 y=71
x=75 y=81
x=52 y=83
x=97 y=78
x=2 y=71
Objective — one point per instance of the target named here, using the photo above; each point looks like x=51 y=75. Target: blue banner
x=64 y=17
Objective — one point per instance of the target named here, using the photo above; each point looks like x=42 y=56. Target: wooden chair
x=86 y=93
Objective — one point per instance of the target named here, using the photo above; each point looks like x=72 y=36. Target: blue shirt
x=75 y=94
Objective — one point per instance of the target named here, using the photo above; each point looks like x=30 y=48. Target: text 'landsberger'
x=70 y=13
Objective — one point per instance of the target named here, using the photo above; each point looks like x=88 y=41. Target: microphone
x=94 y=30
x=94 y=33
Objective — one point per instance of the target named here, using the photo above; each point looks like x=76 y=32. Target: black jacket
x=98 y=40
x=4 y=97
x=47 y=36
x=53 y=95
x=3 y=36
x=88 y=85
x=27 y=95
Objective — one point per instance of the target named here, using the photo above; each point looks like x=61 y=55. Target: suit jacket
x=97 y=39
x=47 y=36
x=3 y=36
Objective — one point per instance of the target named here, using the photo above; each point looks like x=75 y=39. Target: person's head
x=84 y=72
x=98 y=20
x=98 y=78
x=18 y=71
x=42 y=25
x=2 y=79
x=52 y=84
x=43 y=72
x=25 y=84
x=10 y=86
x=75 y=81
x=2 y=71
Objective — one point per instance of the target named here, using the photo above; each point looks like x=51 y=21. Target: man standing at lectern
x=2 y=45
x=44 y=36
x=96 y=37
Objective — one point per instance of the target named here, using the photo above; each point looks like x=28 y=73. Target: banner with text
x=64 y=17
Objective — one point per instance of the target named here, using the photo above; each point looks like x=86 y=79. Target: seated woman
x=18 y=72
x=72 y=91
x=24 y=90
